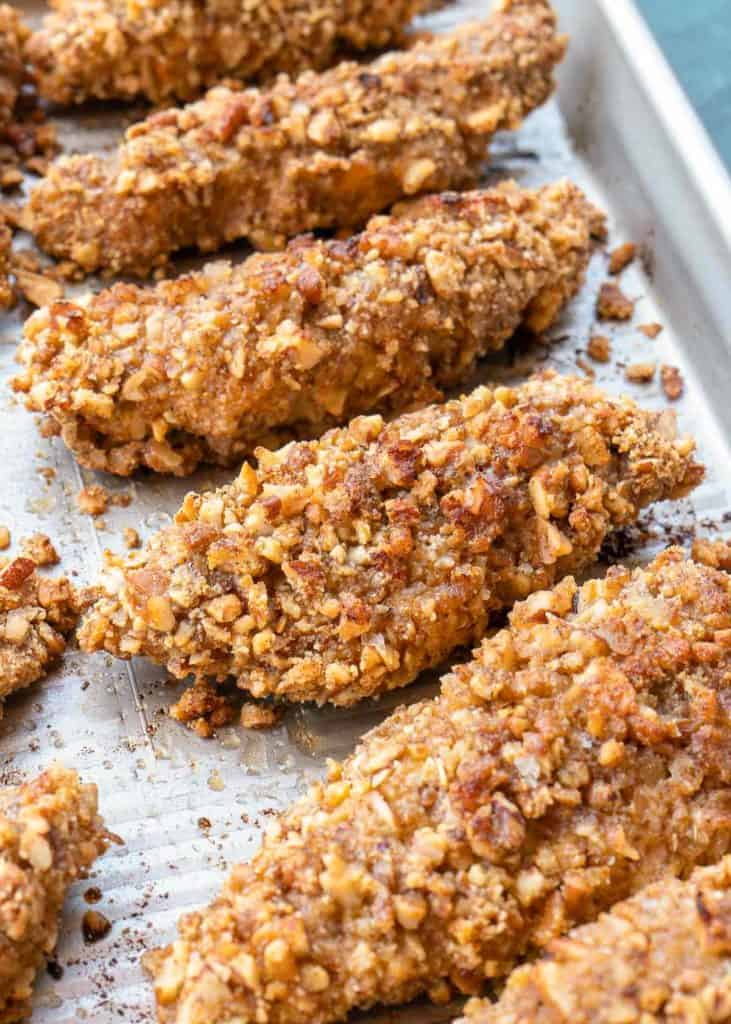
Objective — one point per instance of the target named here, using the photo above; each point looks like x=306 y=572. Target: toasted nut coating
x=343 y=567
x=50 y=835
x=468 y=830
x=205 y=366
x=319 y=151
x=13 y=35
x=662 y=956
x=6 y=288
x=36 y=614
x=173 y=49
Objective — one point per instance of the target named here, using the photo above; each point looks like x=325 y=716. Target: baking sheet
x=188 y=808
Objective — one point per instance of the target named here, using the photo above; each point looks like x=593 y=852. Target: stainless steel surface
x=623 y=130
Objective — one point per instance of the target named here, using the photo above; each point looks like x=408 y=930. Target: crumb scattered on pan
x=259 y=716
x=203 y=708
x=599 y=348
x=672 y=382
x=640 y=373
x=95 y=926
x=93 y=894
x=4 y=538
x=650 y=330
x=621 y=257
x=39 y=548
x=94 y=500
x=131 y=537
x=586 y=366
x=613 y=304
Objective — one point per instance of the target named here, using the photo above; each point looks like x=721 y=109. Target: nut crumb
x=95 y=926
x=131 y=537
x=640 y=373
x=650 y=330
x=613 y=304
x=95 y=499
x=39 y=548
x=203 y=709
x=4 y=538
x=599 y=348
x=586 y=366
x=92 y=500
x=621 y=257
x=259 y=716
x=672 y=382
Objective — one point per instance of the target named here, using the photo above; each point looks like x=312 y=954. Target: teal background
x=696 y=38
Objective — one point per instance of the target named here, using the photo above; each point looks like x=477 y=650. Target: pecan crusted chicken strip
x=583 y=754
x=36 y=614
x=205 y=366
x=166 y=49
x=662 y=956
x=343 y=567
x=323 y=150
x=50 y=835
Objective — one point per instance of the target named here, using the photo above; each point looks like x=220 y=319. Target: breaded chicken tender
x=50 y=835
x=173 y=49
x=662 y=956
x=584 y=753
x=206 y=366
x=341 y=568
x=36 y=615
x=320 y=151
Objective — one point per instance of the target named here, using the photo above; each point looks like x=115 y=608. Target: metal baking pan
x=622 y=128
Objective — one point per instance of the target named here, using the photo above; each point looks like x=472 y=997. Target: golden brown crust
x=7 y=295
x=36 y=614
x=319 y=151
x=13 y=34
x=582 y=755
x=50 y=835
x=662 y=956
x=341 y=568
x=206 y=366
x=174 y=49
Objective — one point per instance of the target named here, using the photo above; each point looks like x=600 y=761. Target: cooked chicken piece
x=50 y=835
x=13 y=35
x=583 y=754
x=168 y=49
x=343 y=567
x=206 y=366
x=662 y=956
x=319 y=151
x=36 y=615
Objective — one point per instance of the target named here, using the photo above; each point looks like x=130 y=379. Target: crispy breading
x=36 y=615
x=206 y=366
x=174 y=49
x=13 y=35
x=50 y=835
x=584 y=753
x=343 y=567
x=7 y=295
x=320 y=151
x=662 y=956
